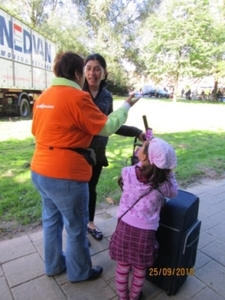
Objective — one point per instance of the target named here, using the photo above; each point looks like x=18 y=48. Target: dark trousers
x=96 y=172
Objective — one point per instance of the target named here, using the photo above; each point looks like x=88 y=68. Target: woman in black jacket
x=95 y=84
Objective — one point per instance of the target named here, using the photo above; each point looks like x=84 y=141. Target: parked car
x=160 y=93
x=149 y=91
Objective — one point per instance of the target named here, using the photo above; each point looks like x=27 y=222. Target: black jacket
x=104 y=102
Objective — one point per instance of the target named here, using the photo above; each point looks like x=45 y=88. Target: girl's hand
x=120 y=182
x=142 y=137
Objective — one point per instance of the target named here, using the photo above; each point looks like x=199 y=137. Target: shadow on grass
x=14 y=118
x=200 y=154
x=18 y=198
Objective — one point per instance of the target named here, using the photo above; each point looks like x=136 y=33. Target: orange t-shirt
x=64 y=117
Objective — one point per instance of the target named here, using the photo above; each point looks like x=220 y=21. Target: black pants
x=96 y=172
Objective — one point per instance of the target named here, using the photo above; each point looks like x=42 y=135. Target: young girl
x=144 y=186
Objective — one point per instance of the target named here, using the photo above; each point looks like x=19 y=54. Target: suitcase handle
x=190 y=231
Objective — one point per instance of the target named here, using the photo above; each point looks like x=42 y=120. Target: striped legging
x=122 y=281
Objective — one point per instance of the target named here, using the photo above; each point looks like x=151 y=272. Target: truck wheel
x=24 y=108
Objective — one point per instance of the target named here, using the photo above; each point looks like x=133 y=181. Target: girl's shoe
x=96 y=233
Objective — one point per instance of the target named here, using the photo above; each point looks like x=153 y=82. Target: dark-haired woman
x=95 y=84
x=65 y=118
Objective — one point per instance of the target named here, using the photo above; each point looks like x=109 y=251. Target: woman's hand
x=132 y=100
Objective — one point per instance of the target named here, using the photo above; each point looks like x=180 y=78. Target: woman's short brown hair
x=67 y=63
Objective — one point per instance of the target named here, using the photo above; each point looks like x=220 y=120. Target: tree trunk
x=214 y=91
x=176 y=81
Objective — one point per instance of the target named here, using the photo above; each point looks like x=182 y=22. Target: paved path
x=22 y=274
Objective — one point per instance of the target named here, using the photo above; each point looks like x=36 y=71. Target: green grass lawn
x=196 y=130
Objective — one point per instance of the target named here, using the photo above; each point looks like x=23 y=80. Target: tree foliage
x=104 y=26
x=165 y=40
x=185 y=40
x=35 y=12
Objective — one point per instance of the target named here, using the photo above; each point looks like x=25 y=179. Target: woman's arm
x=117 y=118
x=131 y=131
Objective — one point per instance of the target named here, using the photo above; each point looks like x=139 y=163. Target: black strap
x=134 y=203
x=78 y=150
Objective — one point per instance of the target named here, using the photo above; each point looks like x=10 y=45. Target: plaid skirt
x=135 y=246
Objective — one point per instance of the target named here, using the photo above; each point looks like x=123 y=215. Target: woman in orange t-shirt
x=65 y=118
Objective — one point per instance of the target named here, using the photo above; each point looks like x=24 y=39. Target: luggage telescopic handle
x=148 y=130
x=145 y=122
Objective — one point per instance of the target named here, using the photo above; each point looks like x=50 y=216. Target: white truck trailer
x=26 y=61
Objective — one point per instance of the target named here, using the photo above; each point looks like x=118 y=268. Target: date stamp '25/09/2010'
x=171 y=271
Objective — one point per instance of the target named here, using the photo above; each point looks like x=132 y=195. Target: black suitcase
x=178 y=236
